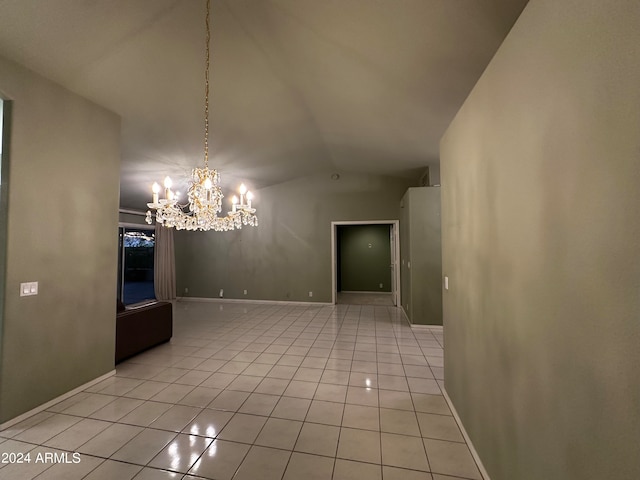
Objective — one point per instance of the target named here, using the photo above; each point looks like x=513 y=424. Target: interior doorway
x=364 y=265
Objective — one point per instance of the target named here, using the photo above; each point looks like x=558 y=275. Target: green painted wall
x=61 y=231
x=289 y=253
x=541 y=188
x=421 y=256
x=364 y=258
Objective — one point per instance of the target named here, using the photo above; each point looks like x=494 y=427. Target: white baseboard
x=242 y=300
x=366 y=293
x=474 y=453
x=62 y=397
x=418 y=326
x=426 y=327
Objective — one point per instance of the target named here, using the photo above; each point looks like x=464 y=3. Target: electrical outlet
x=245 y=292
x=311 y=294
x=186 y=290
x=381 y=286
x=221 y=293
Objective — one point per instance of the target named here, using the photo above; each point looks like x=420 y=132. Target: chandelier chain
x=206 y=88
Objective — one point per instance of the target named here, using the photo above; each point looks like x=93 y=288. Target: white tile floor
x=252 y=391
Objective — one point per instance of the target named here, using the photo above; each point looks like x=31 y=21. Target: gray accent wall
x=289 y=253
x=421 y=256
x=364 y=258
x=541 y=189
x=61 y=229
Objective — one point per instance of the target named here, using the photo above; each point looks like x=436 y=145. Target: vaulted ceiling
x=297 y=86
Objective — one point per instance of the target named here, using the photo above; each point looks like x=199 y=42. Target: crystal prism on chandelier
x=204 y=195
x=205 y=202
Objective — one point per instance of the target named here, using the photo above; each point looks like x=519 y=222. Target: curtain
x=164 y=270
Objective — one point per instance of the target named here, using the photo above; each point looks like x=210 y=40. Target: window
x=135 y=264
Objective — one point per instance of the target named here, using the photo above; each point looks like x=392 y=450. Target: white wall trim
x=242 y=300
x=367 y=293
x=137 y=226
x=62 y=397
x=395 y=225
x=416 y=326
x=474 y=453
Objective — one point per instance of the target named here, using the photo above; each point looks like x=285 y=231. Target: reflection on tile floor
x=261 y=391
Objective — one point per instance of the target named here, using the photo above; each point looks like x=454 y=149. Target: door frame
x=395 y=255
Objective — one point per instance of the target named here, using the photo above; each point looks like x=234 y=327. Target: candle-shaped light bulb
x=168 y=194
x=208 y=184
x=234 y=201
x=155 y=188
x=249 y=198
x=243 y=190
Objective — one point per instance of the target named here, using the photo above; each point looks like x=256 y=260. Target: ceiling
x=299 y=87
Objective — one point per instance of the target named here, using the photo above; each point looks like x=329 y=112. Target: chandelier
x=205 y=194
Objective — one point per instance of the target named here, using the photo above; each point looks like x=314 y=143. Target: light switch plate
x=446 y=283
x=28 y=288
